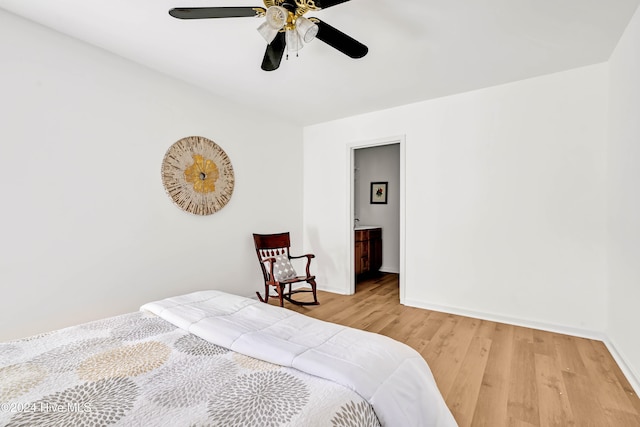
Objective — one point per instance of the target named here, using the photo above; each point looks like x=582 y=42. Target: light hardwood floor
x=492 y=374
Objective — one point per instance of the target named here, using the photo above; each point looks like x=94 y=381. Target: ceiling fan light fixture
x=284 y=27
x=293 y=40
x=306 y=28
x=276 y=17
x=267 y=32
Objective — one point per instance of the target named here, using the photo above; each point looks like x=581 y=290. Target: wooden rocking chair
x=277 y=270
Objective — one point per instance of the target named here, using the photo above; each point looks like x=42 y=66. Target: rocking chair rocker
x=277 y=271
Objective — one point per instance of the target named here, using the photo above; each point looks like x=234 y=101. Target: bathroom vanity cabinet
x=368 y=250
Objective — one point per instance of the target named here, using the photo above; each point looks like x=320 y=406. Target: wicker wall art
x=197 y=175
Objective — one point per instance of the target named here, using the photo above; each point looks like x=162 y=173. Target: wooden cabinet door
x=361 y=251
x=358 y=257
x=368 y=250
x=375 y=253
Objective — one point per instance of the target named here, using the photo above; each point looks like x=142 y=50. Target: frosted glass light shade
x=294 y=41
x=307 y=29
x=267 y=31
x=276 y=16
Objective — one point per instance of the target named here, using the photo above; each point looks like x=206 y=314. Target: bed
x=214 y=359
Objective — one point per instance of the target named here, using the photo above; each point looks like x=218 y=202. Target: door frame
x=352 y=147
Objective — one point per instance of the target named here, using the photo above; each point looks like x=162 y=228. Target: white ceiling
x=418 y=49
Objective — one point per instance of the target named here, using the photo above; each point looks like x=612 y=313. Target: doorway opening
x=376 y=211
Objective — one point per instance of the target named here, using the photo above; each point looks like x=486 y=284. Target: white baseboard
x=339 y=291
x=631 y=376
x=559 y=329
x=567 y=330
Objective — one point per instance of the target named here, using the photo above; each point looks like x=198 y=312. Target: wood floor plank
x=449 y=348
x=379 y=323
x=492 y=374
x=553 y=402
x=405 y=324
x=543 y=343
x=608 y=362
x=523 y=394
x=609 y=392
x=466 y=387
x=491 y=406
x=425 y=333
x=486 y=329
x=623 y=419
x=568 y=354
x=519 y=423
x=584 y=404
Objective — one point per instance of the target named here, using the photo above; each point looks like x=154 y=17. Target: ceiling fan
x=284 y=27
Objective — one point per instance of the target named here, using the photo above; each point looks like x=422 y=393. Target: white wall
x=505 y=202
x=624 y=197
x=373 y=164
x=86 y=228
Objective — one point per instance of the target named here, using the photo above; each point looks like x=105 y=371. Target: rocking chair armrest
x=302 y=256
x=271 y=261
x=309 y=257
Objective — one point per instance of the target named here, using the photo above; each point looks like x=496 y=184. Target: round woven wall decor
x=198 y=175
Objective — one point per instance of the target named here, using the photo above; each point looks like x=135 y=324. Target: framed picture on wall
x=379 y=193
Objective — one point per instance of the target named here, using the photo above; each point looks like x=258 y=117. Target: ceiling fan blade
x=212 y=12
x=340 y=41
x=323 y=4
x=274 y=52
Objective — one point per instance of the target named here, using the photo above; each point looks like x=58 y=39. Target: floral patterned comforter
x=139 y=370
